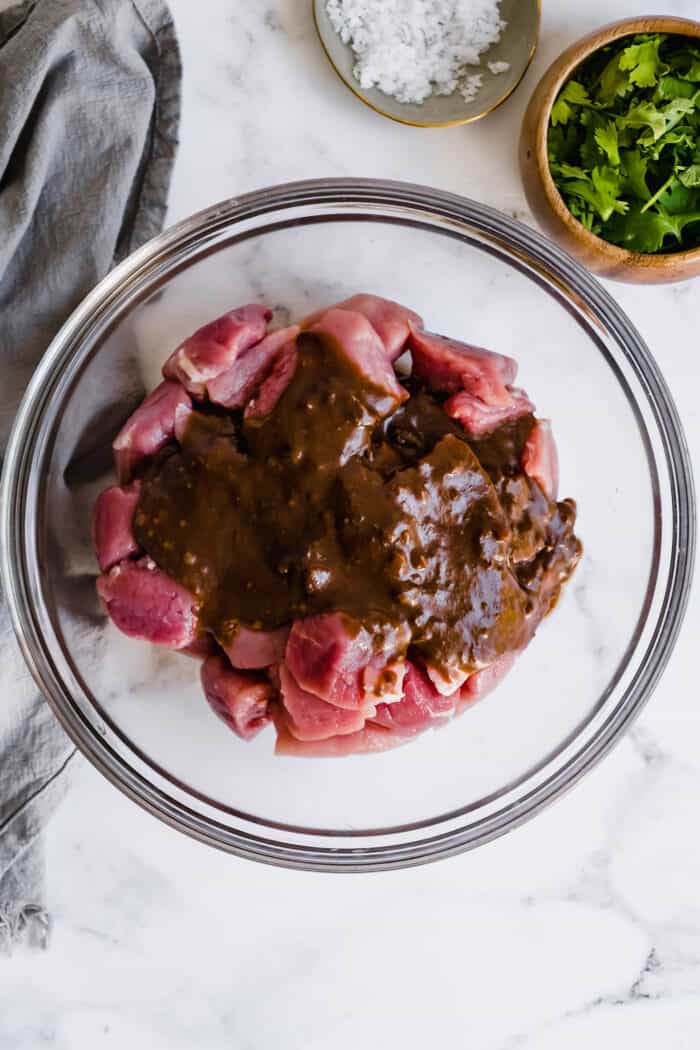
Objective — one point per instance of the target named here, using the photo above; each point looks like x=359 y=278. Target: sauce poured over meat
x=341 y=499
x=356 y=558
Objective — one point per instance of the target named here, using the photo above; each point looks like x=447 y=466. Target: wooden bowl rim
x=571 y=58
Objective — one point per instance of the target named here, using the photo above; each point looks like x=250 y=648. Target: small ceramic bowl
x=516 y=47
x=603 y=258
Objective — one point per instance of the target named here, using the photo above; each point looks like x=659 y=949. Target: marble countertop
x=581 y=927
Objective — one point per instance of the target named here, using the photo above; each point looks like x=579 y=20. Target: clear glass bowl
x=138 y=713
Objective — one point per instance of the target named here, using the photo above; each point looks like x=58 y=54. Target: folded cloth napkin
x=89 y=113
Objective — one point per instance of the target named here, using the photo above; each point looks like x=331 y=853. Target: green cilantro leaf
x=608 y=184
x=634 y=166
x=675 y=87
x=676 y=110
x=569 y=171
x=589 y=149
x=573 y=94
x=676 y=198
x=613 y=82
x=691 y=176
x=640 y=233
x=606 y=137
x=693 y=71
x=643 y=62
x=601 y=191
x=643 y=231
x=645 y=115
x=682 y=220
x=681 y=135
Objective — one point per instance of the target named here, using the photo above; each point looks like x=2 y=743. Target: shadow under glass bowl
x=137 y=712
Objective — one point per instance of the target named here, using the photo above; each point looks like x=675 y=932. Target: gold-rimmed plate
x=516 y=47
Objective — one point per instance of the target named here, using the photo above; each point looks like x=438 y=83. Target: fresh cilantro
x=613 y=82
x=646 y=117
x=589 y=150
x=569 y=171
x=692 y=72
x=691 y=176
x=642 y=231
x=642 y=62
x=606 y=138
x=624 y=143
x=634 y=166
x=675 y=87
x=573 y=95
x=676 y=198
x=601 y=192
x=682 y=135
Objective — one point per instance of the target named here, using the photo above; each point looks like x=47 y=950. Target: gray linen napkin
x=89 y=112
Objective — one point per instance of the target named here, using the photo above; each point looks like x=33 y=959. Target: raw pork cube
x=422 y=705
x=274 y=384
x=240 y=699
x=235 y=387
x=540 y=460
x=479 y=419
x=309 y=718
x=481 y=683
x=357 y=340
x=391 y=321
x=150 y=427
x=112 y=534
x=145 y=603
x=253 y=649
x=327 y=655
x=449 y=366
x=214 y=348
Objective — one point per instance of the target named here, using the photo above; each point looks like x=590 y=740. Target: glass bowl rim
x=179 y=242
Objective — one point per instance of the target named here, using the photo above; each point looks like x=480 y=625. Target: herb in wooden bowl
x=624 y=143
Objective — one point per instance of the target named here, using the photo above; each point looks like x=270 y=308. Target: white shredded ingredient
x=410 y=49
x=499 y=67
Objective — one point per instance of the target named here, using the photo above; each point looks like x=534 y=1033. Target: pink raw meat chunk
x=540 y=460
x=309 y=718
x=112 y=534
x=145 y=603
x=479 y=419
x=361 y=346
x=421 y=707
x=391 y=321
x=367 y=740
x=449 y=366
x=150 y=427
x=213 y=348
x=235 y=387
x=253 y=649
x=328 y=656
x=482 y=682
x=240 y=699
x=182 y=418
x=274 y=384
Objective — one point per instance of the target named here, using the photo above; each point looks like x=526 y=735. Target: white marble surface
x=582 y=927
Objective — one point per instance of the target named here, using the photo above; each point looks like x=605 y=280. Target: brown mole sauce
x=339 y=500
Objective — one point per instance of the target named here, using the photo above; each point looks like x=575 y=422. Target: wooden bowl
x=544 y=198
